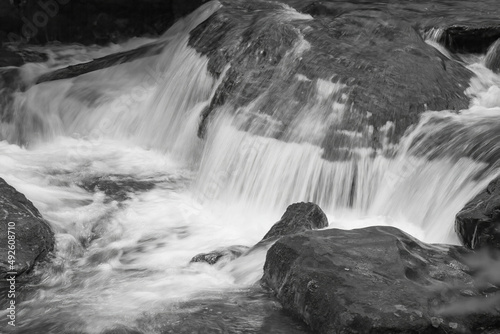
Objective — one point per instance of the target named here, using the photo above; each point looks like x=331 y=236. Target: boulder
x=298 y=217
x=378 y=280
x=478 y=223
x=282 y=61
x=21 y=221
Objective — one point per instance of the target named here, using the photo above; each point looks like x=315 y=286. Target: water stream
x=125 y=257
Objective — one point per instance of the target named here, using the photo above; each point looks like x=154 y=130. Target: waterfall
x=138 y=122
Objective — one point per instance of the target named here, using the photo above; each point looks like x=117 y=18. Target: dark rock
x=9 y=58
x=478 y=223
x=377 y=280
x=298 y=217
x=101 y=63
x=116 y=187
x=33 y=236
x=278 y=59
x=222 y=255
x=470 y=39
x=492 y=59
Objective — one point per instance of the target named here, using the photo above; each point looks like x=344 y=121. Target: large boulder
x=20 y=221
x=478 y=223
x=365 y=66
x=377 y=280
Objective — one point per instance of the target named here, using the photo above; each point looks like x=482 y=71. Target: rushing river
x=122 y=254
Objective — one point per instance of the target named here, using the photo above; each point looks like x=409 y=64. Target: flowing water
x=122 y=256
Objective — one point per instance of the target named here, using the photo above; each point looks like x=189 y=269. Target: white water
x=116 y=261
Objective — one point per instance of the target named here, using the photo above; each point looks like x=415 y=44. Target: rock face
x=282 y=57
x=298 y=217
x=478 y=223
x=375 y=280
x=33 y=236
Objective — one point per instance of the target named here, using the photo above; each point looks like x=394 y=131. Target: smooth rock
x=33 y=236
x=377 y=280
x=478 y=223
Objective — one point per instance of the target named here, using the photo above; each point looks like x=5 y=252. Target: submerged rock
x=298 y=217
x=116 y=187
x=378 y=280
x=21 y=221
x=222 y=255
x=478 y=223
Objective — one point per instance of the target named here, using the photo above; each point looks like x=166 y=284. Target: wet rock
x=358 y=60
x=249 y=310
x=478 y=223
x=20 y=57
x=376 y=280
x=33 y=237
x=222 y=255
x=298 y=217
x=9 y=58
x=492 y=59
x=116 y=187
x=470 y=39
x=102 y=63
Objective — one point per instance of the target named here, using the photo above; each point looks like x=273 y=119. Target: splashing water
x=124 y=254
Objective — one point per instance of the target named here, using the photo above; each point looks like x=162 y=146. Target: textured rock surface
x=381 y=67
x=33 y=236
x=478 y=223
x=377 y=280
